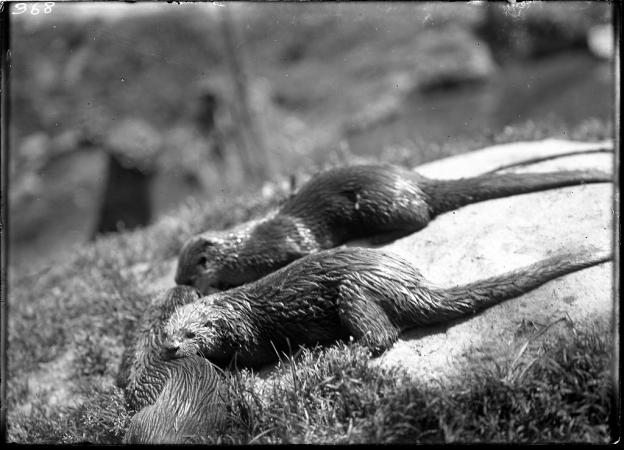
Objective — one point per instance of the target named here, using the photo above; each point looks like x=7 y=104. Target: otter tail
x=460 y=301
x=447 y=195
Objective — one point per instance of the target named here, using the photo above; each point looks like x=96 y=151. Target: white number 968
x=35 y=8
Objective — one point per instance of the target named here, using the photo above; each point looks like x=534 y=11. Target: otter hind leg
x=365 y=320
x=408 y=212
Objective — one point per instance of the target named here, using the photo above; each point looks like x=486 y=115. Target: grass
x=334 y=396
x=101 y=418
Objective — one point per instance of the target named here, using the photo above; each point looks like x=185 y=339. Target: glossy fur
x=342 y=204
x=369 y=294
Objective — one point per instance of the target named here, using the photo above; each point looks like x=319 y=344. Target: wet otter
x=178 y=401
x=342 y=204
x=369 y=294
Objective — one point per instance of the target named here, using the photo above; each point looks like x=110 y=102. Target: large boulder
x=488 y=238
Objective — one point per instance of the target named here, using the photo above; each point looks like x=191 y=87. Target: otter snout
x=182 y=278
x=171 y=350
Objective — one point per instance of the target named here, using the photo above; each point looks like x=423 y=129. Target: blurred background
x=122 y=111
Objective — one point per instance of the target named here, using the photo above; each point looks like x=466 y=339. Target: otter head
x=216 y=261
x=196 y=328
x=201 y=263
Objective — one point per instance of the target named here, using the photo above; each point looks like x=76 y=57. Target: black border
x=5 y=91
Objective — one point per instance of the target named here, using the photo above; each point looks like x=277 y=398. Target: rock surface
x=496 y=236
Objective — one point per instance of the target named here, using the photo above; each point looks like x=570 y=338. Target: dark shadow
x=126 y=202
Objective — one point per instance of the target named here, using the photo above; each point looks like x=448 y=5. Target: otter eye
x=208 y=324
x=202 y=261
x=190 y=335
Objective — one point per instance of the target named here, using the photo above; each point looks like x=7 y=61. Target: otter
x=178 y=401
x=342 y=204
x=369 y=294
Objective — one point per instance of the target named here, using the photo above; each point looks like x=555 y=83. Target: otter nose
x=182 y=279
x=170 y=349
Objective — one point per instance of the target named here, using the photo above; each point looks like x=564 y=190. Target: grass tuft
x=100 y=418
x=334 y=395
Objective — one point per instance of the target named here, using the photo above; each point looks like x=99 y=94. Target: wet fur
x=343 y=204
x=369 y=294
x=178 y=401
